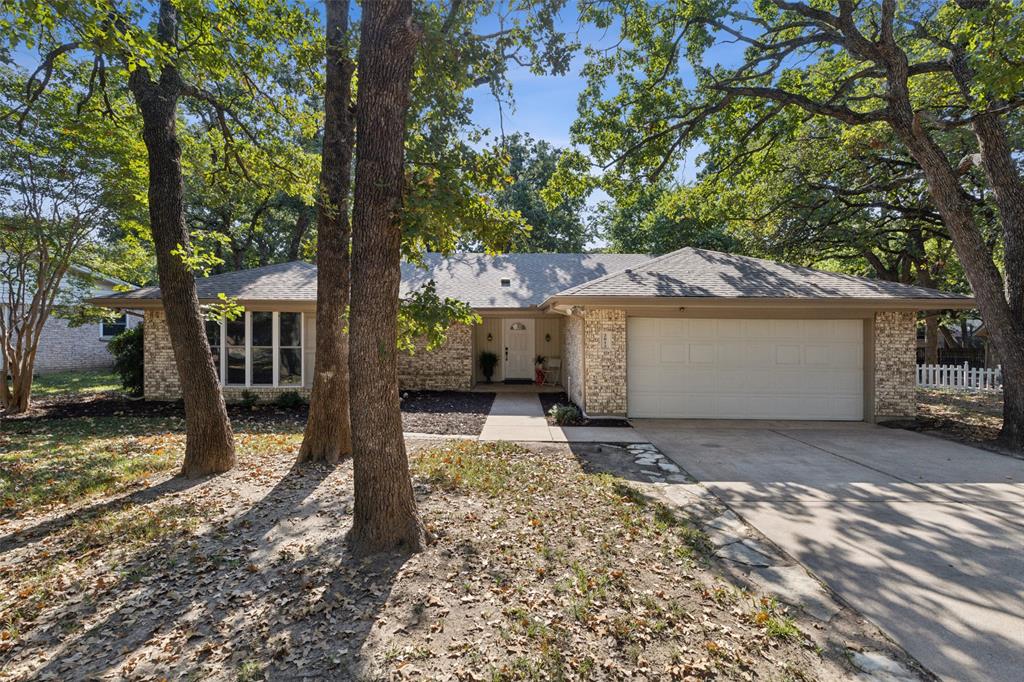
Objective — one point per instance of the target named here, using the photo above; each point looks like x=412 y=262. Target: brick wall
x=448 y=368
x=63 y=348
x=572 y=358
x=604 y=344
x=895 y=364
x=160 y=376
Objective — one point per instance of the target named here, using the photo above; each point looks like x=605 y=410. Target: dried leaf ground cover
x=972 y=417
x=538 y=571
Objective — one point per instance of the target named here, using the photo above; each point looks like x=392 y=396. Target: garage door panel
x=745 y=368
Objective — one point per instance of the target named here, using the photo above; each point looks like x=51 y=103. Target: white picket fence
x=962 y=377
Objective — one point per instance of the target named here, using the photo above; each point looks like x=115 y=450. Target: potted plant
x=538 y=370
x=488 y=361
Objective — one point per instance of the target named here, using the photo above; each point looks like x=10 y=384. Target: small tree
x=52 y=201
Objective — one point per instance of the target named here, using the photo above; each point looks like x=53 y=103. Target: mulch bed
x=446 y=412
x=439 y=412
x=549 y=400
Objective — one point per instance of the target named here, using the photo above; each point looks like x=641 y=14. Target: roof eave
x=961 y=303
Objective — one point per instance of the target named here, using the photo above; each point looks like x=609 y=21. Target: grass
x=64 y=460
x=60 y=384
x=60 y=461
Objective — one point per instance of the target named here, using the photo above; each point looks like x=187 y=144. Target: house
x=63 y=347
x=691 y=334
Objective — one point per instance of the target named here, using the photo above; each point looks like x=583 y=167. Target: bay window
x=259 y=348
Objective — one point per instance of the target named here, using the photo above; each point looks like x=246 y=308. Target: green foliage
x=488 y=361
x=129 y=358
x=657 y=220
x=564 y=414
x=290 y=400
x=425 y=317
x=248 y=399
x=557 y=227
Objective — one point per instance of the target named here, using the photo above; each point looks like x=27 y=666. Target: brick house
x=63 y=347
x=694 y=333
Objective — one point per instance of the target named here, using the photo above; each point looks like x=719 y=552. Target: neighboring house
x=63 y=347
x=692 y=334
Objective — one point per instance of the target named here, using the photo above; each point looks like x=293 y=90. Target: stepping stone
x=792 y=584
x=879 y=666
x=668 y=466
x=678 y=478
x=742 y=553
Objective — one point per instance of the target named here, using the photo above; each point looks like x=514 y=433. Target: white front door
x=518 y=342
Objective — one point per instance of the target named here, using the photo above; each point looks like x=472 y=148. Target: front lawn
x=538 y=570
x=64 y=384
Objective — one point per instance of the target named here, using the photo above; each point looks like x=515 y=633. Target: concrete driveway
x=923 y=536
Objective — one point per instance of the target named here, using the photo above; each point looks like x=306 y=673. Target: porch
x=517 y=341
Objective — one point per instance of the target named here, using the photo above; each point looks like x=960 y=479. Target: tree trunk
x=385 y=515
x=952 y=203
x=328 y=435
x=209 y=443
x=931 y=340
x=302 y=222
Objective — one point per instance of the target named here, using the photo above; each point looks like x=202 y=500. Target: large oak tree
x=914 y=69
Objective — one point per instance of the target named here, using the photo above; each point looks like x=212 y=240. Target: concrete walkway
x=520 y=417
x=922 y=535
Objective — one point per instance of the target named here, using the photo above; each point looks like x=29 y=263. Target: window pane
x=290 y=367
x=115 y=327
x=291 y=334
x=235 y=332
x=262 y=366
x=262 y=329
x=236 y=366
x=213 y=332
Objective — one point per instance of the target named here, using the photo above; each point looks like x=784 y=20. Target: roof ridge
x=580 y=287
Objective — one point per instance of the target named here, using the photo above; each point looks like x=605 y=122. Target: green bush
x=129 y=355
x=289 y=400
x=248 y=399
x=564 y=414
x=488 y=361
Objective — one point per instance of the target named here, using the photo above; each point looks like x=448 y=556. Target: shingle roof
x=294 y=281
x=474 y=278
x=699 y=273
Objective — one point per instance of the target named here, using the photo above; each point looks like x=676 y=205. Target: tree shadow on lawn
x=273 y=588
x=24 y=537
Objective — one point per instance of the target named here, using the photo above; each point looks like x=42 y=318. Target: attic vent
x=506 y=282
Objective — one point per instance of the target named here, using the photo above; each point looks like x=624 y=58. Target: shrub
x=290 y=400
x=128 y=351
x=488 y=361
x=564 y=414
x=248 y=399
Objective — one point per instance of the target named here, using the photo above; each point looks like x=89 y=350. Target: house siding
x=895 y=384
x=604 y=346
x=160 y=376
x=573 y=362
x=449 y=367
x=63 y=348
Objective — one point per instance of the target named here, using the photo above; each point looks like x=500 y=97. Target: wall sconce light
x=490 y=337
x=547 y=338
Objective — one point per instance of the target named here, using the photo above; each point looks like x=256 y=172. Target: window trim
x=275 y=348
x=107 y=337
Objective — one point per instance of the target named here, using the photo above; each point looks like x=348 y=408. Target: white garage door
x=745 y=369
